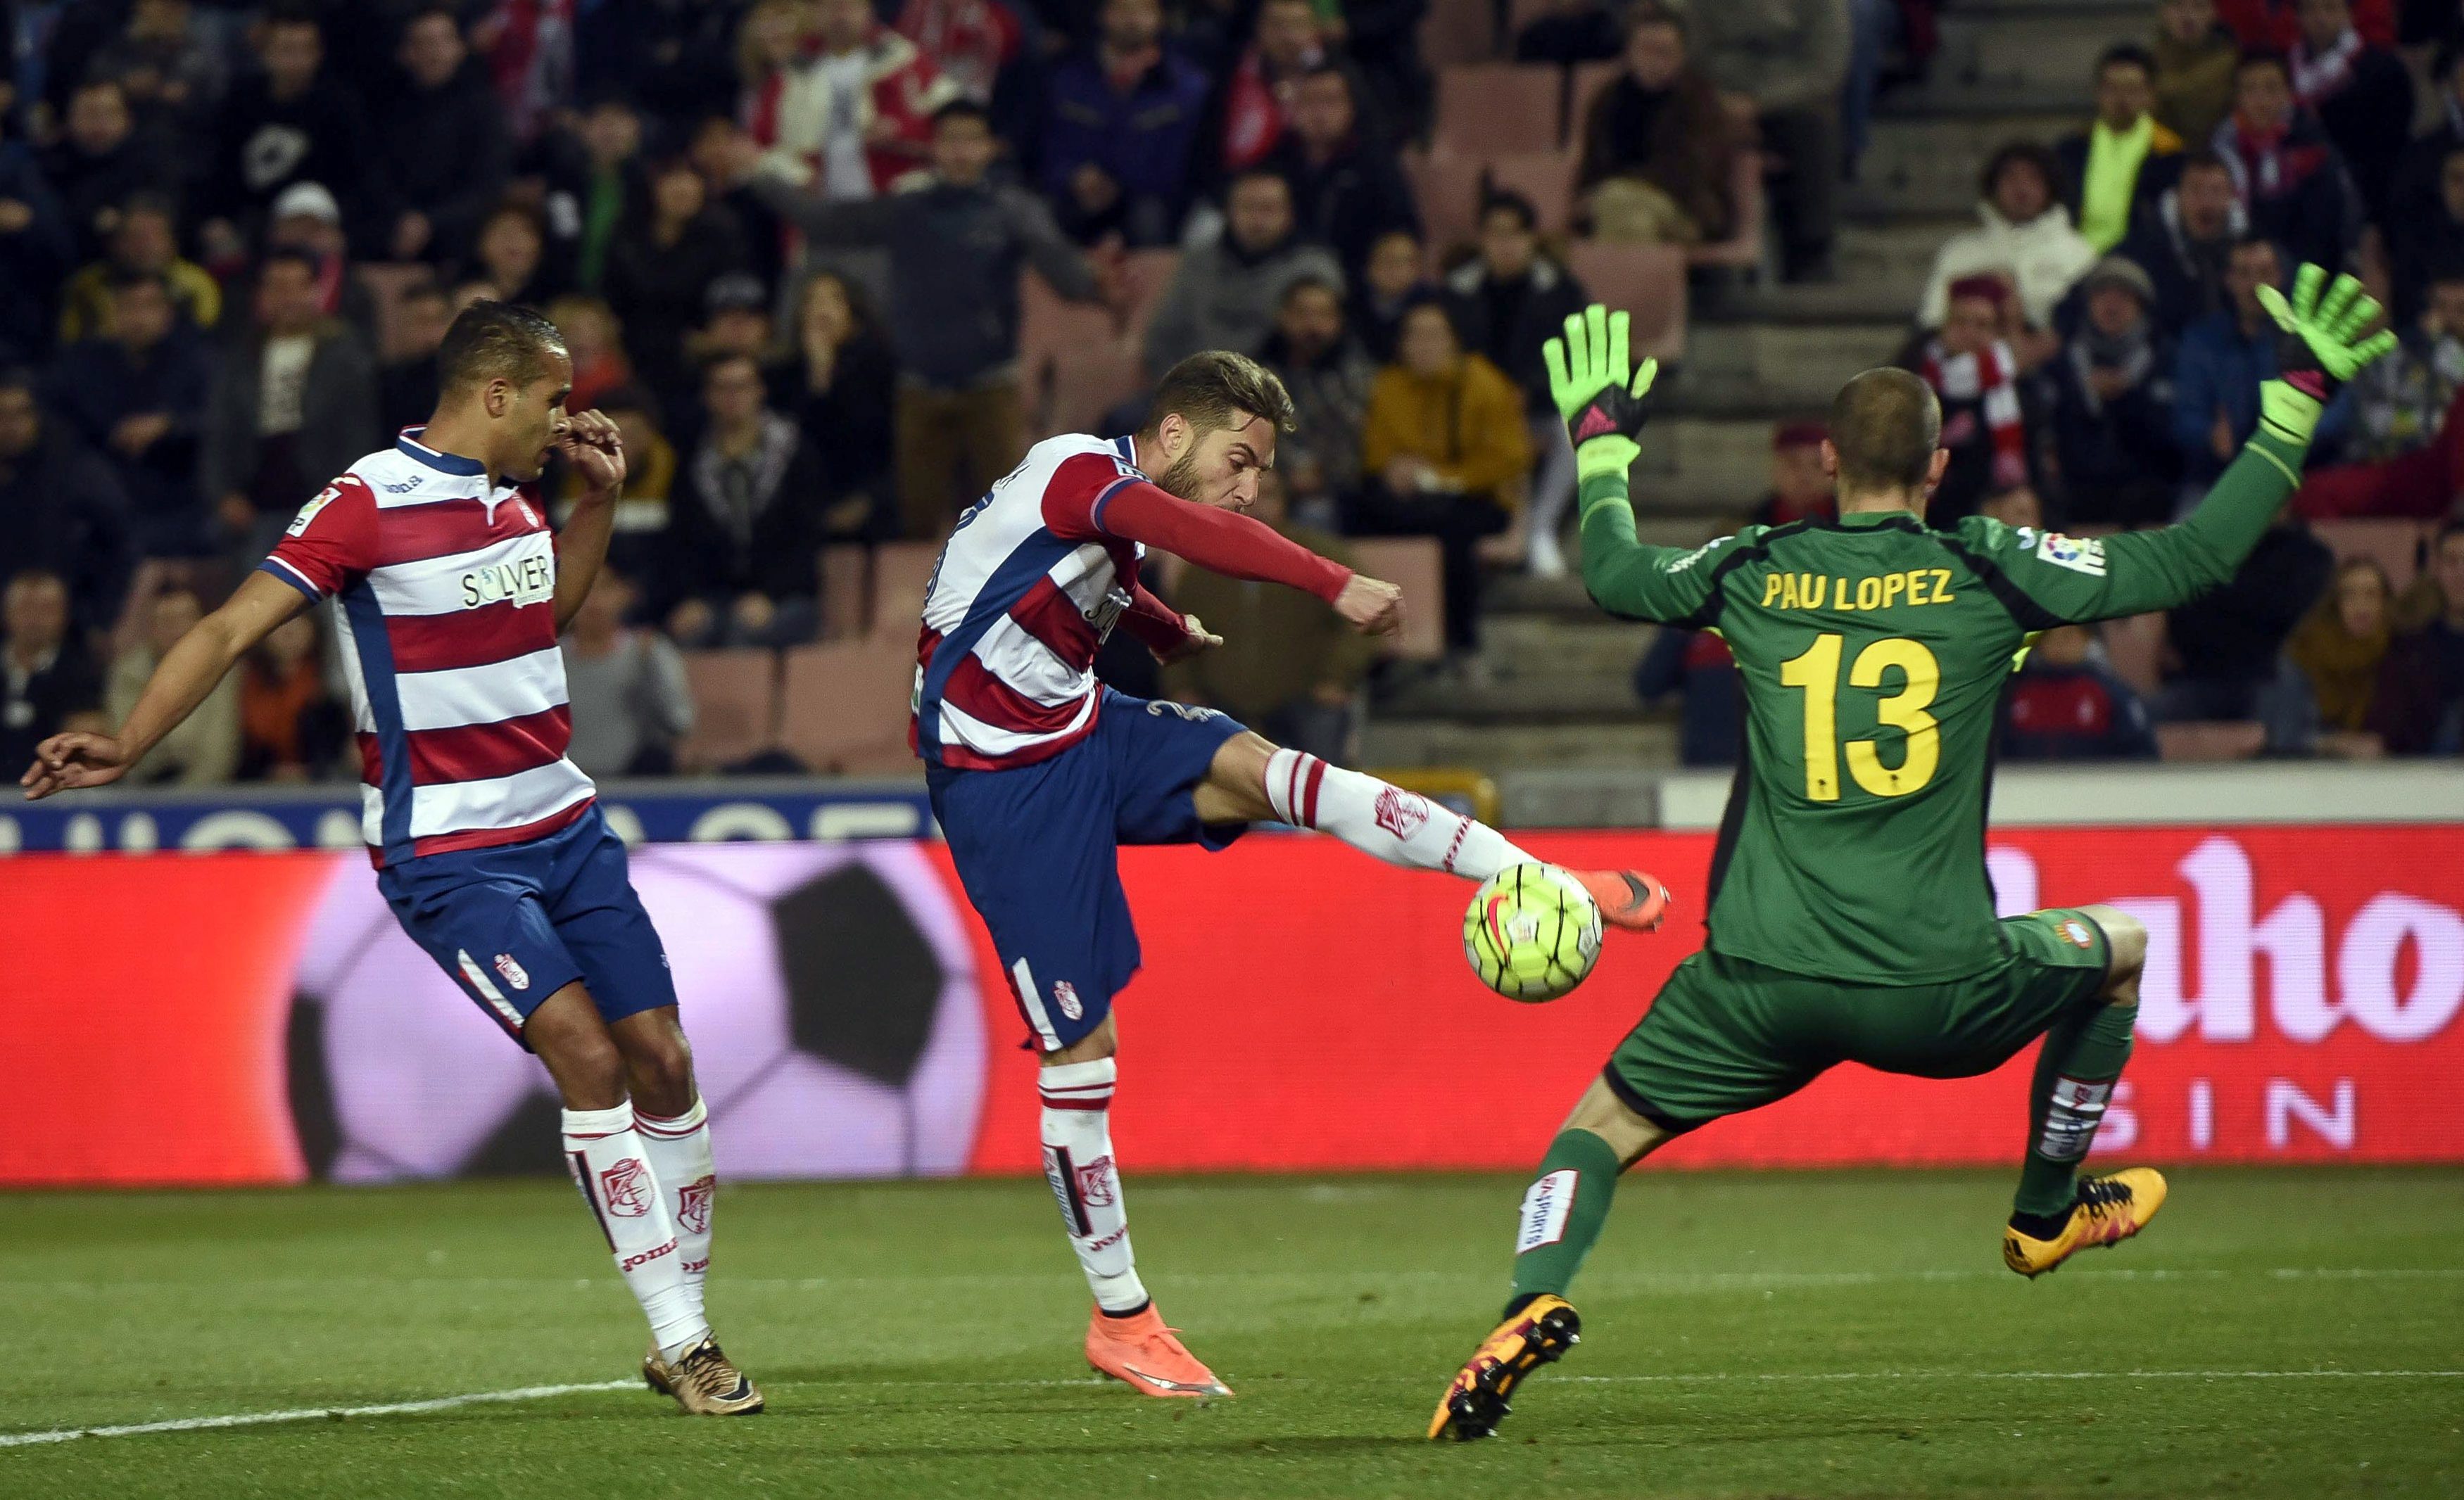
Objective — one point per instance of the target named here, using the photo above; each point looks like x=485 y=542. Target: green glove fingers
x=2319 y=346
x=1643 y=375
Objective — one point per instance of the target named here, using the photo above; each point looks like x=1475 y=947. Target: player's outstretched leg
x=1563 y=1212
x=2054 y=1215
x=604 y=1151
x=1262 y=783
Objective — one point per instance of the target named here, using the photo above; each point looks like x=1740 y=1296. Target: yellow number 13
x=1817 y=672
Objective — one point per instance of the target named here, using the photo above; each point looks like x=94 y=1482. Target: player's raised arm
x=592 y=445
x=1600 y=397
x=186 y=673
x=1241 y=547
x=2321 y=341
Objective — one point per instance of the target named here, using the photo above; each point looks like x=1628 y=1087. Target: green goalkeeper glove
x=2319 y=346
x=1587 y=376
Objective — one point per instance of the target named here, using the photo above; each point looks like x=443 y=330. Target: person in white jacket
x=2025 y=234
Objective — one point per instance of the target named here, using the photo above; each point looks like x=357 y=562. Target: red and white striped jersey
x=1026 y=589
x=443 y=596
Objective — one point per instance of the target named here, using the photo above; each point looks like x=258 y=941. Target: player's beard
x=1180 y=481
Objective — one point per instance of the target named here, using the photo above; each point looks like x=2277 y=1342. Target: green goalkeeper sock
x=2076 y=1069
x=1563 y=1210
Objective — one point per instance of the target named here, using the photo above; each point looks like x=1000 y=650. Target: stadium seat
x=1490 y=107
x=1090 y=381
x=2393 y=545
x=1545 y=177
x=1410 y=564
x=1150 y=271
x=845 y=704
x=386 y=284
x=1743 y=248
x=2209 y=740
x=846 y=591
x=736 y=706
x=1052 y=329
x=1646 y=280
x=1445 y=184
x=1458 y=32
x=900 y=570
x=2135 y=645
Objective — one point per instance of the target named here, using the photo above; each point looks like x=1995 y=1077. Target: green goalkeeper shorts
x=1727 y=1034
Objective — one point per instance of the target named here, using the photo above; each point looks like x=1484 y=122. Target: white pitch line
x=259 y=1418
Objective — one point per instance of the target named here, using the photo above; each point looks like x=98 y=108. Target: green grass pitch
x=2285 y=1333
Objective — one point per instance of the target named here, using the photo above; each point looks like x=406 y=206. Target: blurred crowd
x=785 y=240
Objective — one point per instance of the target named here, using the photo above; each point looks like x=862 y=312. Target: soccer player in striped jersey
x=1038 y=772
x=447 y=590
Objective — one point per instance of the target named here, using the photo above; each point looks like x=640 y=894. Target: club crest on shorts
x=625 y=1188
x=515 y=973
x=1401 y=813
x=1064 y=994
x=2075 y=932
x=693 y=1205
x=1096 y=1182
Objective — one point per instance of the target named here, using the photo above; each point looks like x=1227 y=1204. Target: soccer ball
x=1532 y=933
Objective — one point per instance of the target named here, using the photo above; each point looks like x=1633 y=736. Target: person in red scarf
x=2360 y=94
x=970 y=41
x=1258 y=97
x=1973 y=368
x=2290 y=178
x=855 y=116
x=529 y=48
x=2276 y=24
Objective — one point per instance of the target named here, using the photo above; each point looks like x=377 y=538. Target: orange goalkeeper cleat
x=1147 y=1357
x=1538 y=1333
x=1627 y=899
x=2108 y=1210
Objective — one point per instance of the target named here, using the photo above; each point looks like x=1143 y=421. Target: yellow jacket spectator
x=144 y=241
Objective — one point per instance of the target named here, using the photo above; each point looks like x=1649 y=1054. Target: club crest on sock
x=1095 y=1183
x=626 y=1188
x=693 y=1205
x=1400 y=813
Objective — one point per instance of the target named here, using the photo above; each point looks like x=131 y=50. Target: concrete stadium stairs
x=1551 y=710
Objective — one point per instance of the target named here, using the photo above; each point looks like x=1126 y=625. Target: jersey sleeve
x=330 y=541
x=2050 y=578
x=1672 y=585
x=1219 y=540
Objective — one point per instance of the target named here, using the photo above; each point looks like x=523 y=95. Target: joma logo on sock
x=632 y=1262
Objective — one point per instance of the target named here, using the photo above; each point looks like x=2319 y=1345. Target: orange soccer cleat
x=1538 y=1333
x=1150 y=1358
x=1627 y=899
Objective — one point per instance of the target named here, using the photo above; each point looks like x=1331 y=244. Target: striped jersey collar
x=409 y=446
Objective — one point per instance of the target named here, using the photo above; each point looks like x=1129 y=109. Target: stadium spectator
x=1986 y=423
x=2016 y=506
x=2276 y=25
x=292 y=402
x=203 y=749
x=1223 y=293
x=307 y=218
x=1659 y=147
x=973 y=43
x=2362 y=95
x=2115 y=171
x=661 y=266
x=138 y=395
x=529 y=48
x=511 y=256
x=1346 y=188
x=1287 y=45
x=843 y=400
x=2418 y=189
x=773 y=38
x=1444 y=451
x=1390 y=283
x=2195 y=57
x=61 y=511
x=2290 y=179
x=292 y=727
x=746 y=527
x=2023 y=234
x=641 y=519
x=406 y=385
x=2186 y=244
x=289 y=120
x=440 y=142
x=37 y=248
x=1696 y=665
x=1779 y=65
x=630 y=703
x=717 y=144
x=2329 y=701
x=1288 y=663
x=596 y=341
x=1800 y=487
x=736 y=319
x=168 y=61
x=957 y=245
x=613 y=189
x=2222 y=360
x=856 y=115
x=145 y=242
x=1328 y=376
x=2423 y=246
x=2068 y=703
x=48 y=682
x=2399 y=401
x=1568 y=32
x=100 y=163
x=2224 y=645
x=2422 y=684
x=2112 y=409
x=1506 y=304
x=1121 y=130
x=1382 y=37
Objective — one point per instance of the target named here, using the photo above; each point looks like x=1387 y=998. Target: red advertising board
x=255 y=1018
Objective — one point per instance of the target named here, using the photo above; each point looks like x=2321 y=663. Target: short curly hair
x=1217 y=388
x=496 y=340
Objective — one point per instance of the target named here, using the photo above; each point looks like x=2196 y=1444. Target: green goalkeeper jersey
x=1873 y=652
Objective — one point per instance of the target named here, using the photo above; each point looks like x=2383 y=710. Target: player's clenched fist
x=595 y=449
x=1371 y=606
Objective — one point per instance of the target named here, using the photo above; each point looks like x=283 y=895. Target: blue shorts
x=517 y=923
x=1037 y=848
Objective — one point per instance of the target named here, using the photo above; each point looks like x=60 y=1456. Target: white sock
x=608 y=1164
x=678 y=1151
x=1384 y=821
x=1078 y=1162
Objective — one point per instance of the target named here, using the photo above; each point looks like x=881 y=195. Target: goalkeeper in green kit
x=1850 y=919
